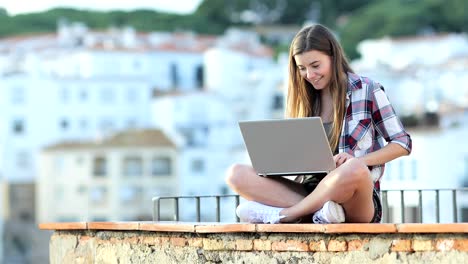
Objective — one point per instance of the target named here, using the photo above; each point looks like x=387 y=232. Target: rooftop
x=130 y=138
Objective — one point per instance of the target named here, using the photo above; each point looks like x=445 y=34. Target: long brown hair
x=303 y=99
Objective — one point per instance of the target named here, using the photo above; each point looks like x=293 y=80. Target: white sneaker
x=331 y=213
x=254 y=212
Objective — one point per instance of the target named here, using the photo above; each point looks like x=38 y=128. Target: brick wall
x=245 y=243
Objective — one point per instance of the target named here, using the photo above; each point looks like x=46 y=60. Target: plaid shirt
x=370 y=119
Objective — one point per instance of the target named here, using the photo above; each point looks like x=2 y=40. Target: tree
x=402 y=18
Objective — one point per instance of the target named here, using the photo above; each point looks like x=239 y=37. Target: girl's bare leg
x=277 y=191
x=350 y=185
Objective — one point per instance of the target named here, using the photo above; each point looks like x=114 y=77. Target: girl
x=357 y=117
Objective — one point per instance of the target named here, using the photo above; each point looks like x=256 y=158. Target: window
x=64 y=125
x=277 y=102
x=133 y=166
x=83 y=95
x=130 y=194
x=99 y=167
x=174 y=75
x=161 y=166
x=224 y=190
x=199 y=78
x=189 y=135
x=98 y=195
x=18 y=126
x=198 y=165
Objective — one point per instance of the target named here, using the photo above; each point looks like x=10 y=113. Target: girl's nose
x=310 y=73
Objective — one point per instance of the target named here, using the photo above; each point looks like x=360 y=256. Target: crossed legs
x=349 y=185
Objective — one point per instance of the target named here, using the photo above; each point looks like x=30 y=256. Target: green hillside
x=353 y=20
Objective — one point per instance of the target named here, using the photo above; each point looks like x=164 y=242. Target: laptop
x=287 y=147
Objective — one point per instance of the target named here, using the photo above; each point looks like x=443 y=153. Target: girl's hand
x=341 y=158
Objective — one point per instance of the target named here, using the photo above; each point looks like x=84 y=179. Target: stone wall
x=236 y=246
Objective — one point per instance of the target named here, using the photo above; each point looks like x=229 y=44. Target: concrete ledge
x=209 y=227
x=178 y=242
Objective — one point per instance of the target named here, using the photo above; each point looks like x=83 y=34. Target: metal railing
x=390 y=205
x=197 y=199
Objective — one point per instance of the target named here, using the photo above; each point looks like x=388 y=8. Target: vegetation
x=353 y=20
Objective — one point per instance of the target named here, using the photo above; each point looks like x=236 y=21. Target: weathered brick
x=132 y=240
x=212 y=244
x=461 y=245
x=356 y=244
x=178 y=241
x=444 y=244
x=195 y=242
x=289 y=245
x=337 y=245
x=161 y=241
x=244 y=244
x=150 y=240
x=401 y=245
x=422 y=245
x=318 y=246
x=229 y=244
x=260 y=244
x=114 y=240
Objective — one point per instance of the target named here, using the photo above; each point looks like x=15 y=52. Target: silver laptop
x=287 y=147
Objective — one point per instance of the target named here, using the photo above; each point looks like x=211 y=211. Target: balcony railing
x=398 y=205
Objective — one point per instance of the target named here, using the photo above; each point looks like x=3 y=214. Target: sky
x=15 y=7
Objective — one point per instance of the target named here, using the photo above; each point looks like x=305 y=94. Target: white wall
x=208 y=115
x=429 y=71
x=91 y=107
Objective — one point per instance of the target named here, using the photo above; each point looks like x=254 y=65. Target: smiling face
x=315 y=67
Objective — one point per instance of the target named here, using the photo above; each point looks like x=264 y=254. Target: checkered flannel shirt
x=370 y=121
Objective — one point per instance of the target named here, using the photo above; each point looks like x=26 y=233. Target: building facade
x=109 y=180
x=425 y=75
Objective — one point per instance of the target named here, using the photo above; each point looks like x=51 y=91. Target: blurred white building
x=424 y=74
x=85 y=85
x=80 y=84
x=3 y=214
x=420 y=74
x=242 y=82
x=112 y=179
